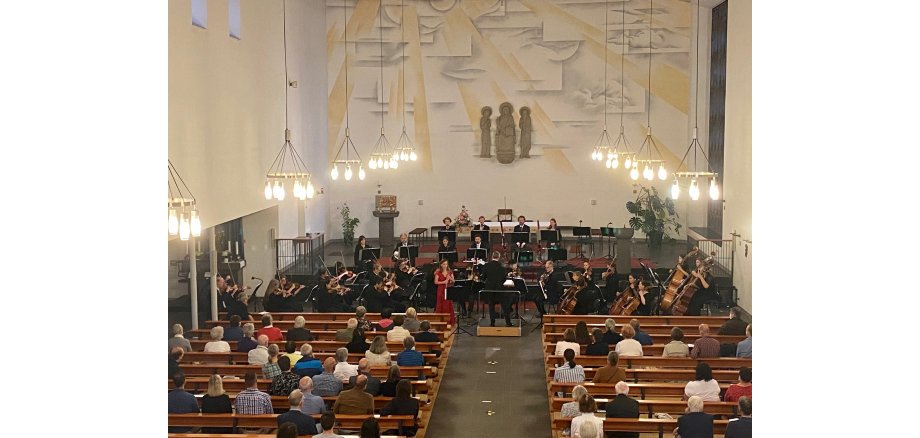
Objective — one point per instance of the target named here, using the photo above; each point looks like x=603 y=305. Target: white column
x=193 y=279
x=214 y=274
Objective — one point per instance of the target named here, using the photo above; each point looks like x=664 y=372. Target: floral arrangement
x=463 y=219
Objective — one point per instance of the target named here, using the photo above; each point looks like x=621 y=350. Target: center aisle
x=515 y=385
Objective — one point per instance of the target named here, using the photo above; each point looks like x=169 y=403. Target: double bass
x=676 y=280
x=682 y=302
x=626 y=303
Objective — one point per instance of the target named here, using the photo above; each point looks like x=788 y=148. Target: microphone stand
x=657 y=307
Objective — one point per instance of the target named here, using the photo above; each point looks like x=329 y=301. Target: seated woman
x=402 y=404
x=629 y=346
x=358 y=343
x=599 y=347
x=216 y=401
x=568 y=341
x=446 y=245
x=581 y=333
x=740 y=389
x=570 y=409
x=676 y=348
x=388 y=388
x=587 y=407
x=217 y=345
x=569 y=371
x=704 y=386
x=377 y=353
x=448 y=226
x=328 y=298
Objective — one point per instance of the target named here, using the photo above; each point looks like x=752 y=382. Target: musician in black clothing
x=328 y=298
x=551 y=285
x=446 y=245
x=481 y=226
x=448 y=226
x=706 y=290
x=362 y=244
x=521 y=227
x=403 y=242
x=495 y=275
x=478 y=244
x=584 y=297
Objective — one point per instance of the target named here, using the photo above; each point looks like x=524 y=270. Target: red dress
x=443 y=304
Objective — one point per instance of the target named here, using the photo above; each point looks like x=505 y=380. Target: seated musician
x=448 y=226
x=403 y=242
x=446 y=245
x=404 y=274
x=275 y=299
x=362 y=244
x=611 y=277
x=481 y=226
x=330 y=298
x=550 y=281
x=584 y=296
x=519 y=228
x=646 y=298
x=478 y=243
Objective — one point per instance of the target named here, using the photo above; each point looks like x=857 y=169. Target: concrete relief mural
x=545 y=57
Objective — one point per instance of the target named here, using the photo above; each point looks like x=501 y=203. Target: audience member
x=403 y=404
x=216 y=401
x=177 y=340
x=248 y=342
x=411 y=322
x=260 y=355
x=587 y=407
x=299 y=332
x=610 y=373
x=217 y=344
x=251 y=401
x=385 y=322
x=326 y=384
x=741 y=427
x=611 y=336
x=234 y=332
x=355 y=401
x=370 y=429
x=704 y=386
x=287 y=430
x=373 y=383
x=271 y=368
x=377 y=354
x=622 y=406
x=287 y=381
x=424 y=333
x=567 y=342
x=569 y=371
x=273 y=333
x=581 y=333
x=629 y=346
x=640 y=335
x=239 y=307
x=307 y=365
x=590 y=429
x=312 y=404
x=175 y=356
x=343 y=369
x=570 y=409
x=180 y=401
x=306 y=425
x=744 y=347
x=734 y=325
x=705 y=346
x=409 y=357
x=398 y=332
x=363 y=323
x=741 y=389
x=327 y=421
x=388 y=388
x=695 y=423
x=676 y=348
x=358 y=343
x=290 y=350
x=344 y=334
x=599 y=347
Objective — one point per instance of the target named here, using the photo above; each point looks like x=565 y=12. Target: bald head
x=364 y=365
x=306 y=385
x=263 y=340
x=704 y=329
x=329 y=364
x=361 y=381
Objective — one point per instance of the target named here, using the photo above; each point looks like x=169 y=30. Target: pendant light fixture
x=603 y=149
x=382 y=157
x=650 y=163
x=352 y=158
x=694 y=175
x=621 y=153
x=288 y=166
x=182 y=208
x=404 y=150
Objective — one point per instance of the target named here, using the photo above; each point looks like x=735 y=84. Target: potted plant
x=652 y=215
x=463 y=220
x=348 y=225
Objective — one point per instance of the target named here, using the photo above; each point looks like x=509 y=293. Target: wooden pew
x=661 y=338
x=642 y=425
x=640 y=391
x=650 y=407
x=661 y=374
x=281 y=405
x=240 y=370
x=322 y=335
x=690 y=331
x=271 y=420
x=330 y=346
x=643 y=320
x=335 y=316
x=200 y=384
x=243 y=358
x=314 y=325
x=550 y=348
x=655 y=361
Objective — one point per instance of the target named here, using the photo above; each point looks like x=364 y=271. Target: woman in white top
x=569 y=371
x=628 y=346
x=587 y=407
x=568 y=341
x=377 y=354
x=676 y=348
x=704 y=386
x=570 y=409
x=217 y=345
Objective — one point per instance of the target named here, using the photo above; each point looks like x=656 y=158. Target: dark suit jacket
x=373 y=384
x=479 y=227
x=734 y=326
x=623 y=406
x=598 y=349
x=695 y=425
x=306 y=425
x=521 y=228
x=495 y=274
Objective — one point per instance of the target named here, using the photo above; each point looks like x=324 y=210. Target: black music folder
x=451 y=236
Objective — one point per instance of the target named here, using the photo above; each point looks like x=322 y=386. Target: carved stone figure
x=505 y=134
x=526 y=130
x=485 y=126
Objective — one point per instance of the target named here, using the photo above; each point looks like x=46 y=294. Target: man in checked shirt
x=705 y=346
x=251 y=400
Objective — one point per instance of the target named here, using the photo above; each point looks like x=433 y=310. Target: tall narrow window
x=200 y=13
x=718 y=53
x=234 y=18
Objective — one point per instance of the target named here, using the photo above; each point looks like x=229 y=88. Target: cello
x=676 y=280
x=682 y=302
x=627 y=302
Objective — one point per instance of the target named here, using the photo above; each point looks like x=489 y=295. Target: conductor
x=495 y=275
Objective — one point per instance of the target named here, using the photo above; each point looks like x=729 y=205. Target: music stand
x=523 y=257
x=458 y=293
x=582 y=232
x=450 y=234
x=520 y=237
x=451 y=256
x=549 y=236
x=504 y=291
x=609 y=233
x=409 y=252
x=370 y=254
x=483 y=234
x=558 y=254
x=476 y=253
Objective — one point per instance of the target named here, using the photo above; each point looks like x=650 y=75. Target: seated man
x=306 y=425
x=599 y=347
x=308 y=365
x=326 y=384
x=409 y=357
x=343 y=369
x=744 y=347
x=355 y=401
x=641 y=336
x=398 y=332
x=411 y=322
x=273 y=333
x=734 y=325
x=312 y=404
x=705 y=346
x=181 y=402
x=251 y=401
x=623 y=406
x=741 y=427
x=696 y=422
x=259 y=355
x=248 y=342
x=233 y=332
x=344 y=335
x=239 y=307
x=373 y=383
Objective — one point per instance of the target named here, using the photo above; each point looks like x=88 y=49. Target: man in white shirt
x=398 y=332
x=343 y=369
x=259 y=355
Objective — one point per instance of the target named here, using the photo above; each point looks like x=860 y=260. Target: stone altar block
x=385 y=220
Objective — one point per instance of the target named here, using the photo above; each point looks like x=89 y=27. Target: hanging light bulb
x=608 y=163
x=348 y=172
x=281 y=192
x=296 y=190
x=662 y=174
x=694 y=190
x=713 y=189
x=404 y=156
x=335 y=172
x=394 y=164
x=311 y=191
x=196 y=223
x=372 y=164
x=615 y=161
x=380 y=163
x=634 y=173
x=173 y=222
x=184 y=228
x=268 y=190
x=413 y=156
x=276 y=190
x=628 y=163
x=675 y=190
x=594 y=154
x=609 y=154
x=361 y=173
x=386 y=165
x=647 y=172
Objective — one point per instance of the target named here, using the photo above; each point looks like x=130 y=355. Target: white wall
x=738 y=205
x=260 y=250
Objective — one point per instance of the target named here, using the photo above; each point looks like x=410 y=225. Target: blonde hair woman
x=377 y=354
x=216 y=401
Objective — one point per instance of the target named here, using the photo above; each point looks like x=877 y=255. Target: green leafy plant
x=348 y=224
x=652 y=215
